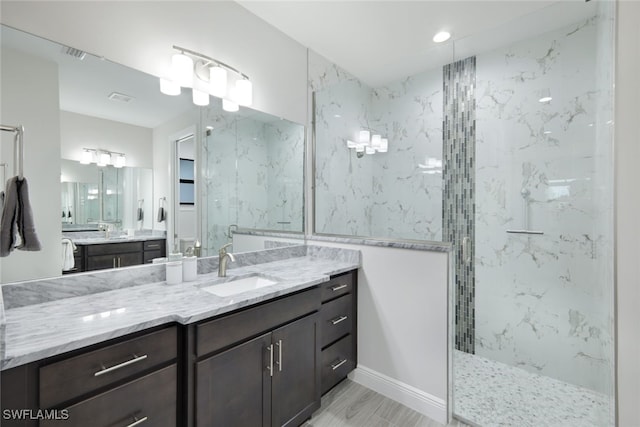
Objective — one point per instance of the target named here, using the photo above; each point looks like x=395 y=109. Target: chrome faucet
x=106 y=228
x=223 y=258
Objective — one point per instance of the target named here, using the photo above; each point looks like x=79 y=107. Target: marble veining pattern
x=396 y=194
x=492 y=394
x=262 y=189
x=542 y=301
x=41 y=330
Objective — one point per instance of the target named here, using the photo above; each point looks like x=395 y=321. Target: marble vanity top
x=118 y=239
x=36 y=331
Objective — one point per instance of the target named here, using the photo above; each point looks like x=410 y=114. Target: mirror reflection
x=92 y=195
x=263 y=188
x=248 y=166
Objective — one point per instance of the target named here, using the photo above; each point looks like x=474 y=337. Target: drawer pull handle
x=135 y=359
x=270 y=367
x=279 y=362
x=338 y=320
x=337 y=288
x=153 y=246
x=335 y=366
x=137 y=421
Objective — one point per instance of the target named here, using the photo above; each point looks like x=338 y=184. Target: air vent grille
x=115 y=96
x=72 y=51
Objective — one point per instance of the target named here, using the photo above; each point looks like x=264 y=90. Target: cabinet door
x=101 y=262
x=233 y=387
x=296 y=379
x=125 y=260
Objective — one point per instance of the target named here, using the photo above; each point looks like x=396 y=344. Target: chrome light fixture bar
x=207 y=76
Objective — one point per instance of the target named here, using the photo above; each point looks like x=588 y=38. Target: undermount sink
x=238 y=286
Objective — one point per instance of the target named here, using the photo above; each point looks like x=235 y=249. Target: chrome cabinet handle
x=279 y=362
x=338 y=320
x=114 y=262
x=135 y=359
x=119 y=264
x=137 y=421
x=335 y=366
x=270 y=367
x=337 y=288
x=153 y=246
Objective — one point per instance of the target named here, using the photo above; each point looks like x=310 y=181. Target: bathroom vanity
x=187 y=357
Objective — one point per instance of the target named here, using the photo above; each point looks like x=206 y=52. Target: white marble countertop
x=38 y=331
x=119 y=239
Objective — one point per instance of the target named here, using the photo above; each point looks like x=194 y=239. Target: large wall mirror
x=248 y=165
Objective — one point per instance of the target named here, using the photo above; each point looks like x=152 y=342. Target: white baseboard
x=418 y=400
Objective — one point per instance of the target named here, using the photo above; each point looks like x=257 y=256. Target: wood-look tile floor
x=352 y=405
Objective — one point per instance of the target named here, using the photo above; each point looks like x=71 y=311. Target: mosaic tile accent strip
x=458 y=210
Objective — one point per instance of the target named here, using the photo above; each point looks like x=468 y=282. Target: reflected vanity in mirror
x=92 y=195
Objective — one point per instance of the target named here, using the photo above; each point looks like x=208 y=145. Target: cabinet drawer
x=220 y=333
x=338 y=286
x=151 y=398
x=154 y=245
x=337 y=362
x=75 y=376
x=336 y=319
x=150 y=255
x=114 y=248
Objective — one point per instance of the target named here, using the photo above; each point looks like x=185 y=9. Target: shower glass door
x=534 y=339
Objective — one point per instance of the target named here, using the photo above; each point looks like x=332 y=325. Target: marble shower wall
x=253 y=175
x=397 y=194
x=539 y=299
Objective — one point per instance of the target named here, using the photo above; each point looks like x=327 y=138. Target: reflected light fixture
x=102 y=158
x=367 y=143
x=207 y=76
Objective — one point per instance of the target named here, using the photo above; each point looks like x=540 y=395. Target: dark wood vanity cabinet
x=126 y=381
x=120 y=254
x=272 y=379
x=338 y=329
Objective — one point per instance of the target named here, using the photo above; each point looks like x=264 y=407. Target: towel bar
x=18 y=148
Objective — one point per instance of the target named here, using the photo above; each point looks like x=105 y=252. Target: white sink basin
x=238 y=286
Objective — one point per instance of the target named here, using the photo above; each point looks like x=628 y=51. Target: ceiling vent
x=72 y=51
x=115 y=96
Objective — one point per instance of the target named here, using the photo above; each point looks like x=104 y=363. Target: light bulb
x=363 y=137
x=87 y=157
x=376 y=141
x=103 y=159
x=442 y=36
x=200 y=97
x=228 y=105
x=120 y=162
x=169 y=87
x=351 y=144
x=182 y=69
x=369 y=150
x=244 y=92
x=218 y=81
x=359 y=148
x=384 y=145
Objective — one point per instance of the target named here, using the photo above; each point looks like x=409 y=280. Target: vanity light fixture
x=367 y=143
x=207 y=76
x=102 y=158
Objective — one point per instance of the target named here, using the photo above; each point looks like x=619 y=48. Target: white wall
x=78 y=131
x=30 y=98
x=140 y=34
x=402 y=323
x=627 y=153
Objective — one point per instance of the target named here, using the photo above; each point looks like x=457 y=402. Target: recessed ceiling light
x=442 y=36
x=545 y=99
x=116 y=96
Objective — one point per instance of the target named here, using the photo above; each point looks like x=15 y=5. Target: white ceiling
x=383 y=41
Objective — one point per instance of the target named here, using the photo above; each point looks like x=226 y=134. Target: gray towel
x=17 y=230
x=162 y=215
x=140 y=214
